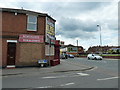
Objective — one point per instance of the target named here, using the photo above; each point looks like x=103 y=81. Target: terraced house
x=26 y=37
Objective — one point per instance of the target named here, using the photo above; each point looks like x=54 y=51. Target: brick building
x=71 y=49
x=26 y=37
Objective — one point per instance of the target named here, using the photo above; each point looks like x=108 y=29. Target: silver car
x=70 y=56
x=94 y=57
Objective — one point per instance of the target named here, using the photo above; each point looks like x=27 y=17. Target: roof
x=70 y=45
x=23 y=11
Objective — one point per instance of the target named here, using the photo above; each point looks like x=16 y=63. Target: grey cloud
x=73 y=28
x=25 y=5
x=72 y=9
x=57 y=9
x=112 y=24
x=68 y=27
x=77 y=34
x=71 y=24
x=82 y=6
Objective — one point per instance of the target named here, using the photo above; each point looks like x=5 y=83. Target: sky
x=77 y=19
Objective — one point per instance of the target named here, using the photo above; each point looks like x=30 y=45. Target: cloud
x=73 y=28
x=78 y=20
x=57 y=9
x=82 y=23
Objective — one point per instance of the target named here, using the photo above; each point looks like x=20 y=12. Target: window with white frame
x=32 y=23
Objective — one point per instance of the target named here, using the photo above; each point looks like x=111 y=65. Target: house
x=27 y=36
x=71 y=49
x=103 y=49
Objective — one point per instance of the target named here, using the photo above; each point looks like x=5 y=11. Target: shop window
x=49 y=50
x=32 y=23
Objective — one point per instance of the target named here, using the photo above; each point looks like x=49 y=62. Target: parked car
x=94 y=57
x=70 y=56
x=63 y=56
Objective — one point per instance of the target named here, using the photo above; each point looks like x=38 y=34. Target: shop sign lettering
x=31 y=38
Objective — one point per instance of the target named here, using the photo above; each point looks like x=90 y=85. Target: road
x=103 y=75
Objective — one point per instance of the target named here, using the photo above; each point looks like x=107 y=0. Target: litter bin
x=54 y=62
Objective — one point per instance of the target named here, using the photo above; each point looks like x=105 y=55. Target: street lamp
x=99 y=28
x=77 y=47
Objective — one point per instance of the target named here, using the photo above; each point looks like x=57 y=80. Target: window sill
x=31 y=30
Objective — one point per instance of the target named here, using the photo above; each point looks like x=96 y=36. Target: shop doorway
x=11 y=53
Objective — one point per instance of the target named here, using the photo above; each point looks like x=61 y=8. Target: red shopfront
x=56 y=60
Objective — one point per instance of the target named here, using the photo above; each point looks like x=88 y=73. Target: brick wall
x=14 y=25
x=30 y=53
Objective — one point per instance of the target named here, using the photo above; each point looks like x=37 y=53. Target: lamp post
x=77 y=47
x=99 y=28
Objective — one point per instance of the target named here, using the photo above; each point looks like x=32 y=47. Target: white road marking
x=83 y=74
x=62 y=76
x=107 y=78
x=45 y=87
x=67 y=84
x=93 y=68
x=49 y=77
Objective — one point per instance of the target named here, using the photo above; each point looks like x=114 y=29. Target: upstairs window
x=32 y=23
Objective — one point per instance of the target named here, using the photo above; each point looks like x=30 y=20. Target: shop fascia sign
x=72 y=49
x=50 y=31
x=31 y=38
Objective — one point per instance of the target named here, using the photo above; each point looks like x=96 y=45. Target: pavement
x=110 y=59
x=64 y=66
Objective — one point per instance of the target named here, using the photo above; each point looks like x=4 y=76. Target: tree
x=117 y=51
x=110 y=51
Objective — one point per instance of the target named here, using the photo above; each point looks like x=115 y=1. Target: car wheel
x=88 y=58
x=95 y=58
x=42 y=65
